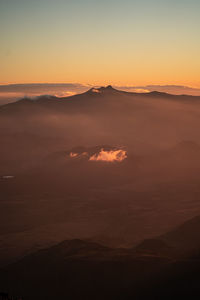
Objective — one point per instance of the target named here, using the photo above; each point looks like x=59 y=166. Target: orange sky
x=99 y=43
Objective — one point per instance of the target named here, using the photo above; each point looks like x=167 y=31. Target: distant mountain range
x=95 y=100
x=12 y=92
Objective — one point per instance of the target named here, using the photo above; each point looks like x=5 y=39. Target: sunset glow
x=134 y=44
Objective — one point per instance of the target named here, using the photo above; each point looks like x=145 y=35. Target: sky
x=129 y=42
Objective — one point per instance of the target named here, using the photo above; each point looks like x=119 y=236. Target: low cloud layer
x=171 y=89
x=12 y=92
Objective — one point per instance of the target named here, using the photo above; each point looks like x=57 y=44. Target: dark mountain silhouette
x=185 y=237
x=180 y=280
x=154 y=246
x=79 y=268
x=50 y=103
x=181 y=241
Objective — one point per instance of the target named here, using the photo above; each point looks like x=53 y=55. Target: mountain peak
x=102 y=89
x=109 y=87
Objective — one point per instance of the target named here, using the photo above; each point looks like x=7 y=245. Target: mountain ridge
x=95 y=92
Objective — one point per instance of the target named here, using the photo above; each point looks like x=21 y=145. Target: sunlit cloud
x=109 y=156
x=139 y=90
x=65 y=94
x=96 y=90
x=114 y=155
x=74 y=154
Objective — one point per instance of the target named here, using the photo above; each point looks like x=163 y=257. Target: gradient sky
x=100 y=42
